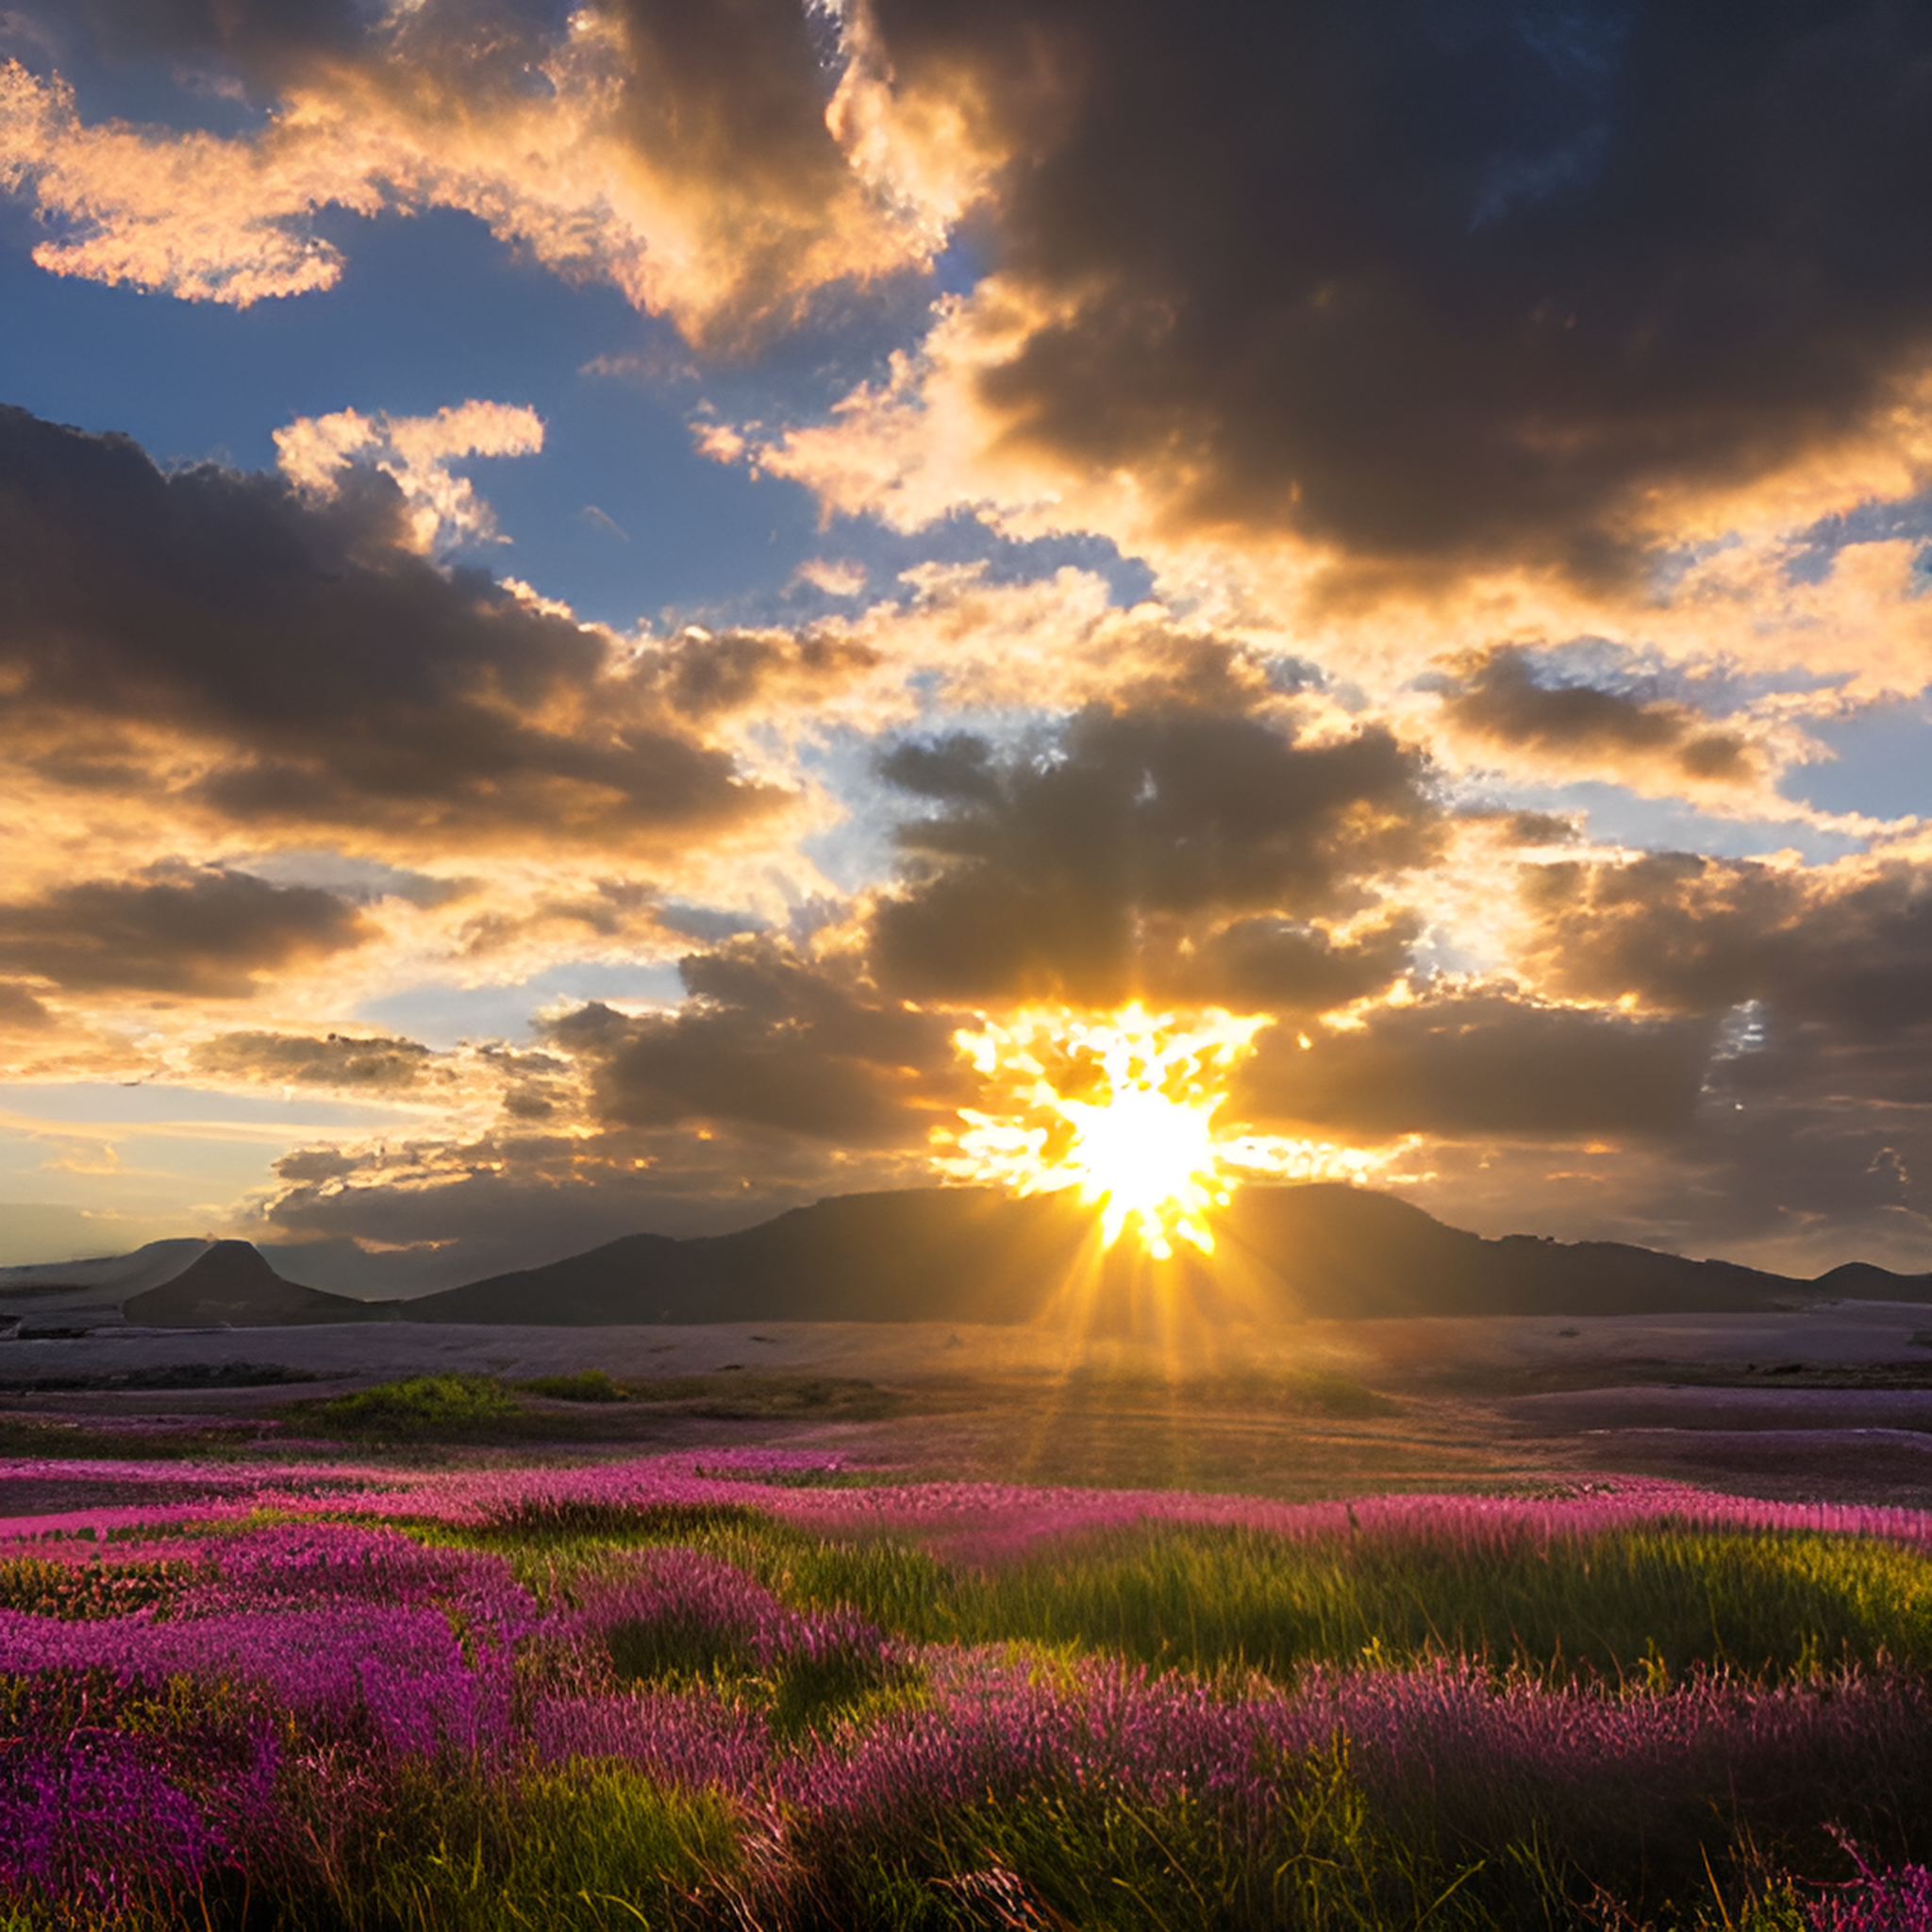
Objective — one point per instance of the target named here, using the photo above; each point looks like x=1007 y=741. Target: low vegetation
x=441 y=1407
x=587 y=1385
x=642 y=1694
x=468 y=1409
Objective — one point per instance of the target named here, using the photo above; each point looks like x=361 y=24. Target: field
x=785 y=1645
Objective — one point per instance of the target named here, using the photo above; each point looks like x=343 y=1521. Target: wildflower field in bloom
x=755 y=1688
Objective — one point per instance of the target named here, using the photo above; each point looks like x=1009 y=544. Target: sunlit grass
x=1633 y=1604
x=703 y=1714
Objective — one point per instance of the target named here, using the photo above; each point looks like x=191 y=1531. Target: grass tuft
x=587 y=1385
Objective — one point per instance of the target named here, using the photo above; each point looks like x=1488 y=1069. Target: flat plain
x=1828 y=1402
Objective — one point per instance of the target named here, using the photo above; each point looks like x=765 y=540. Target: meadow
x=742 y=1687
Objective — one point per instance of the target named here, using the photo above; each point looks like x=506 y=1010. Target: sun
x=1124 y=1107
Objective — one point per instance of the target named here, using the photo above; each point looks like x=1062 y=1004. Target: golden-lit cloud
x=202 y=932
x=415 y=452
x=1146 y=849
x=681 y=155
x=293 y=667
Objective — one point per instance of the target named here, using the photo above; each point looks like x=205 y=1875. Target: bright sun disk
x=1122 y=1107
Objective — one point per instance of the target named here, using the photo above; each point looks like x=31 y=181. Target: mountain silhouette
x=230 y=1285
x=971 y=1255
x=1314 y=1251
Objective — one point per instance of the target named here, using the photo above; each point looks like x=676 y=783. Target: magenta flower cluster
x=313 y=1649
x=676 y=1591
x=982 y=1520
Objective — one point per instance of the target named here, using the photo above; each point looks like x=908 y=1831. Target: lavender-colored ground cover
x=993 y=1517
x=286 y=1664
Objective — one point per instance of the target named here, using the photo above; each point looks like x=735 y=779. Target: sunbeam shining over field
x=1124 y=1107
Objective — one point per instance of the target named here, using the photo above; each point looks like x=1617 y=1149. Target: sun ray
x=1122 y=1107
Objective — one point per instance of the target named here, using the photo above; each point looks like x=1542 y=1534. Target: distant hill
x=230 y=1285
x=1863 y=1281
x=104 y=1277
x=971 y=1255
x=927 y=1254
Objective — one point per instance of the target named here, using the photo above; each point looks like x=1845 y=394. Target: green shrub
x=419 y=1405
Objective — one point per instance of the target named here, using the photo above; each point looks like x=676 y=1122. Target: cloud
x=1483 y=1062
x=1095 y=868
x=1850 y=946
x=207 y=933
x=376 y=1062
x=836 y=577
x=257 y=659
x=1578 y=730
x=681 y=154
x=315 y=453
x=1516 y=298
x=603 y=520
x=712 y=676
x=1292 y=968
x=1423 y=290
x=1384 y=338
x=21 y=1012
x=771 y=1039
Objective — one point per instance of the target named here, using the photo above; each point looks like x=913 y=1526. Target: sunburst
x=1124 y=1107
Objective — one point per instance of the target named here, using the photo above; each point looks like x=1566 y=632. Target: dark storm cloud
x=1498 y=698
x=330 y=678
x=1699 y=935
x=1463 y=1064
x=1442 y=283
x=302 y=1060
x=1099 y=868
x=772 y=1040
x=206 y=932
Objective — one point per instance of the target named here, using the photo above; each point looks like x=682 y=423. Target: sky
x=582 y=591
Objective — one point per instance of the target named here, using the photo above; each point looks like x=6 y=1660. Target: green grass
x=1328 y=1392
x=1645 y=1604
x=591 y=1846
x=462 y=1408
x=88 y=1589
x=418 y=1406
x=1648 y=1604
x=739 y=1395
x=56 y=1438
x=586 y=1385
x=1094 y=1856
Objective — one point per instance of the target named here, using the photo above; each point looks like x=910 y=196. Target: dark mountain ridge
x=970 y=1255
x=1315 y=1251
